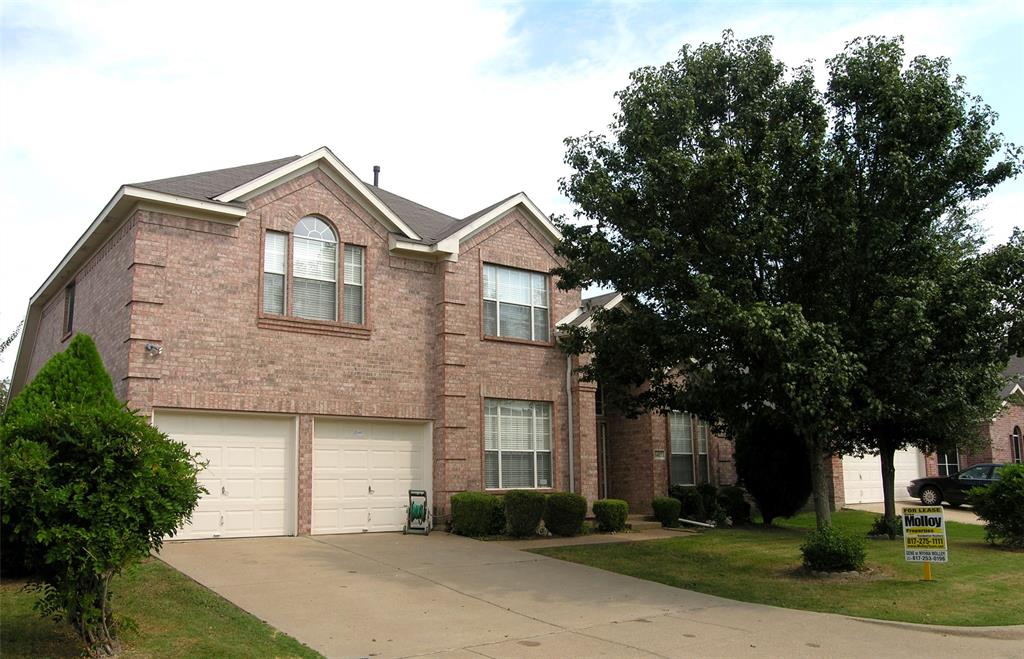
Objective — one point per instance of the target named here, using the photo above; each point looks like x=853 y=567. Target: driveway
x=391 y=595
x=962 y=515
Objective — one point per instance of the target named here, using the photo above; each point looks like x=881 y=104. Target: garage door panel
x=862 y=477
x=372 y=464
x=249 y=475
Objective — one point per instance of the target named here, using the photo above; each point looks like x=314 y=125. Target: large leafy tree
x=927 y=314
x=704 y=210
x=780 y=248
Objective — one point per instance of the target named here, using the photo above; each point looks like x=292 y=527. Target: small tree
x=773 y=464
x=88 y=488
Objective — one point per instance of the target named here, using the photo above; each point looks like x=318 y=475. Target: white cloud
x=439 y=94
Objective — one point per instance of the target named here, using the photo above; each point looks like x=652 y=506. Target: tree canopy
x=787 y=251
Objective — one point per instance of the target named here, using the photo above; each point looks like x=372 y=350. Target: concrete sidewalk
x=391 y=595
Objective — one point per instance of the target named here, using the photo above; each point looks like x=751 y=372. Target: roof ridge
x=220 y=170
x=375 y=188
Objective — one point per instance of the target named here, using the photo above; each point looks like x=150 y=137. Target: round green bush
x=523 y=511
x=733 y=501
x=666 y=510
x=1001 y=506
x=691 y=503
x=611 y=514
x=828 y=550
x=564 y=513
x=474 y=514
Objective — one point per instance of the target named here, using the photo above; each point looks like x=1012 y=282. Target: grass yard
x=175 y=617
x=981 y=585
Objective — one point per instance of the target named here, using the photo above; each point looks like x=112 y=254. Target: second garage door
x=363 y=470
x=862 y=477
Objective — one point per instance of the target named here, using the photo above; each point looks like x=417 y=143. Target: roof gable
x=208 y=185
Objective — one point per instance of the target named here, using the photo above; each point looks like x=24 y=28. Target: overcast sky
x=460 y=103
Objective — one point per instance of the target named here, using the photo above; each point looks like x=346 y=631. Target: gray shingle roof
x=590 y=305
x=207 y=185
x=431 y=225
x=1015 y=371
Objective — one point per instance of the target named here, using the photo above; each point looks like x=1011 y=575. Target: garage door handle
x=223 y=490
x=369 y=489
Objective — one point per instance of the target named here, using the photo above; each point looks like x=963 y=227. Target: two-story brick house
x=327 y=345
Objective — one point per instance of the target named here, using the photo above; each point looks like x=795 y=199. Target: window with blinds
x=517 y=444
x=353 y=298
x=681 y=444
x=314 y=270
x=275 y=269
x=703 y=472
x=516 y=303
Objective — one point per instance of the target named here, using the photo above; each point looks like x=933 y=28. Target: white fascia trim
x=447 y=249
x=247 y=190
x=576 y=313
x=1016 y=390
x=520 y=199
x=611 y=304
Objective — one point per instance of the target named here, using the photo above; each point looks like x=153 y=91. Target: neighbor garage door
x=363 y=471
x=862 y=477
x=250 y=476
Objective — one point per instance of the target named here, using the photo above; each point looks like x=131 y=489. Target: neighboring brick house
x=641 y=458
x=1004 y=433
x=327 y=345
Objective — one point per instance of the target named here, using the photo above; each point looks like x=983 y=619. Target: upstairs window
x=314 y=270
x=69 y=308
x=302 y=281
x=1018 y=450
x=516 y=304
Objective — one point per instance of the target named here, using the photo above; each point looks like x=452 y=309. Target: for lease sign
x=924 y=534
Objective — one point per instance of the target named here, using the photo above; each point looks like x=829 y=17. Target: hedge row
x=520 y=513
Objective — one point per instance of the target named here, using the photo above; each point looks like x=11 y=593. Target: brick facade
x=997 y=445
x=192 y=286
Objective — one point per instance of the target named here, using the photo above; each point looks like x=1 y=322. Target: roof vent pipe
x=376 y=175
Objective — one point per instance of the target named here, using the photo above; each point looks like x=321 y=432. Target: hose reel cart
x=417 y=514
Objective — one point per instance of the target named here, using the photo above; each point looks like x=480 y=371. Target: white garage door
x=862 y=477
x=363 y=470
x=250 y=476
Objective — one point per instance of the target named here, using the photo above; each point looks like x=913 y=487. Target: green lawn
x=175 y=617
x=981 y=585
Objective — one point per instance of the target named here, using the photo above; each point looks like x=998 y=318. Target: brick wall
x=102 y=308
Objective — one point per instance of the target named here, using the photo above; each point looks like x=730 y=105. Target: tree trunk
x=887 y=455
x=820 y=486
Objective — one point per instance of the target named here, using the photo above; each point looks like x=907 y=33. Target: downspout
x=568 y=405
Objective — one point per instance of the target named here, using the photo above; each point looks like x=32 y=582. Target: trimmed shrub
x=474 y=514
x=611 y=514
x=1001 y=505
x=884 y=528
x=709 y=499
x=733 y=501
x=666 y=511
x=691 y=503
x=523 y=511
x=564 y=513
x=828 y=550
x=773 y=464
x=89 y=488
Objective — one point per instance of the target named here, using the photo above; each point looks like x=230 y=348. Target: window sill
x=524 y=342
x=506 y=490
x=291 y=324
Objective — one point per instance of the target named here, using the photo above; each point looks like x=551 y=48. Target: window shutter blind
x=314 y=270
x=354 y=267
x=275 y=264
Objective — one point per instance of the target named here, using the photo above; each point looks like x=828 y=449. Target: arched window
x=1016 y=441
x=314 y=272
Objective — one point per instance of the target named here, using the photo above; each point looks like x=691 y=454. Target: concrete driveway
x=963 y=515
x=391 y=595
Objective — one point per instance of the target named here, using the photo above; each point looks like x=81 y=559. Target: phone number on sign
x=938 y=543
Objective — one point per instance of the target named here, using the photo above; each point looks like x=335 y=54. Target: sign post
x=924 y=537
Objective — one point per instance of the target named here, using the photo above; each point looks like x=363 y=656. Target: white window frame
x=687 y=420
x=497 y=269
x=354 y=282
x=535 y=418
x=1016 y=445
